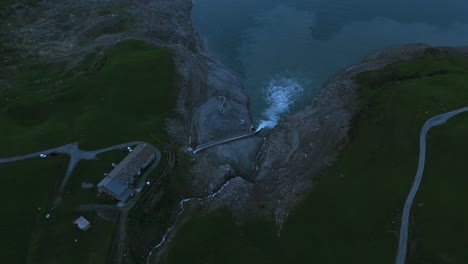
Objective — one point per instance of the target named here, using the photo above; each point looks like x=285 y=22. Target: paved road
x=71 y=149
x=124 y=211
x=75 y=154
x=435 y=121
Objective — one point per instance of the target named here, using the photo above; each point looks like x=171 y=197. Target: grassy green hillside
x=117 y=95
x=26 y=200
x=440 y=218
x=120 y=96
x=353 y=214
x=6 y=3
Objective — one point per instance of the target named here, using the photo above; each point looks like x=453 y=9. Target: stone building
x=119 y=182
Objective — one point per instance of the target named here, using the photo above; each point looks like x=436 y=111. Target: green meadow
x=114 y=96
x=353 y=213
x=119 y=96
x=439 y=231
x=26 y=200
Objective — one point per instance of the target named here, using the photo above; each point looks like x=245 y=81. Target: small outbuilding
x=82 y=223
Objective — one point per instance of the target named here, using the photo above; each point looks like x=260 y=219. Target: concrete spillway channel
x=223 y=141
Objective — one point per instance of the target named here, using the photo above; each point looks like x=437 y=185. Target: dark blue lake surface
x=285 y=50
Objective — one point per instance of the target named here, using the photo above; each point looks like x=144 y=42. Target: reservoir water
x=284 y=50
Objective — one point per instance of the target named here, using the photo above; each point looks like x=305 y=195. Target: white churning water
x=280 y=95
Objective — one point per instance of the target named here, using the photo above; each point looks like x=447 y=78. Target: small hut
x=82 y=223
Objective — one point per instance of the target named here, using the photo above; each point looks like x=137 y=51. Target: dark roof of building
x=132 y=164
x=118 y=179
x=82 y=223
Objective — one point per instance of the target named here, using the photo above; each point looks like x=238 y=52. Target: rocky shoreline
x=211 y=102
x=305 y=143
x=270 y=177
x=299 y=148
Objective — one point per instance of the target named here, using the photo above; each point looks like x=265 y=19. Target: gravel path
x=434 y=121
x=71 y=149
x=76 y=155
x=124 y=211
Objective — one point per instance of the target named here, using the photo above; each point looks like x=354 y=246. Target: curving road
x=75 y=154
x=124 y=211
x=71 y=149
x=435 y=121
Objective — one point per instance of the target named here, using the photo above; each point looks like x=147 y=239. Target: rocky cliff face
x=211 y=102
x=301 y=146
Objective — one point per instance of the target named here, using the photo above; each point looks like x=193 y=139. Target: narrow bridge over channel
x=222 y=141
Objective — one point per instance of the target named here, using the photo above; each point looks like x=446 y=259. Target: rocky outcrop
x=211 y=102
x=235 y=196
x=301 y=146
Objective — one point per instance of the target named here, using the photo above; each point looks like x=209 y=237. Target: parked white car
x=42 y=155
